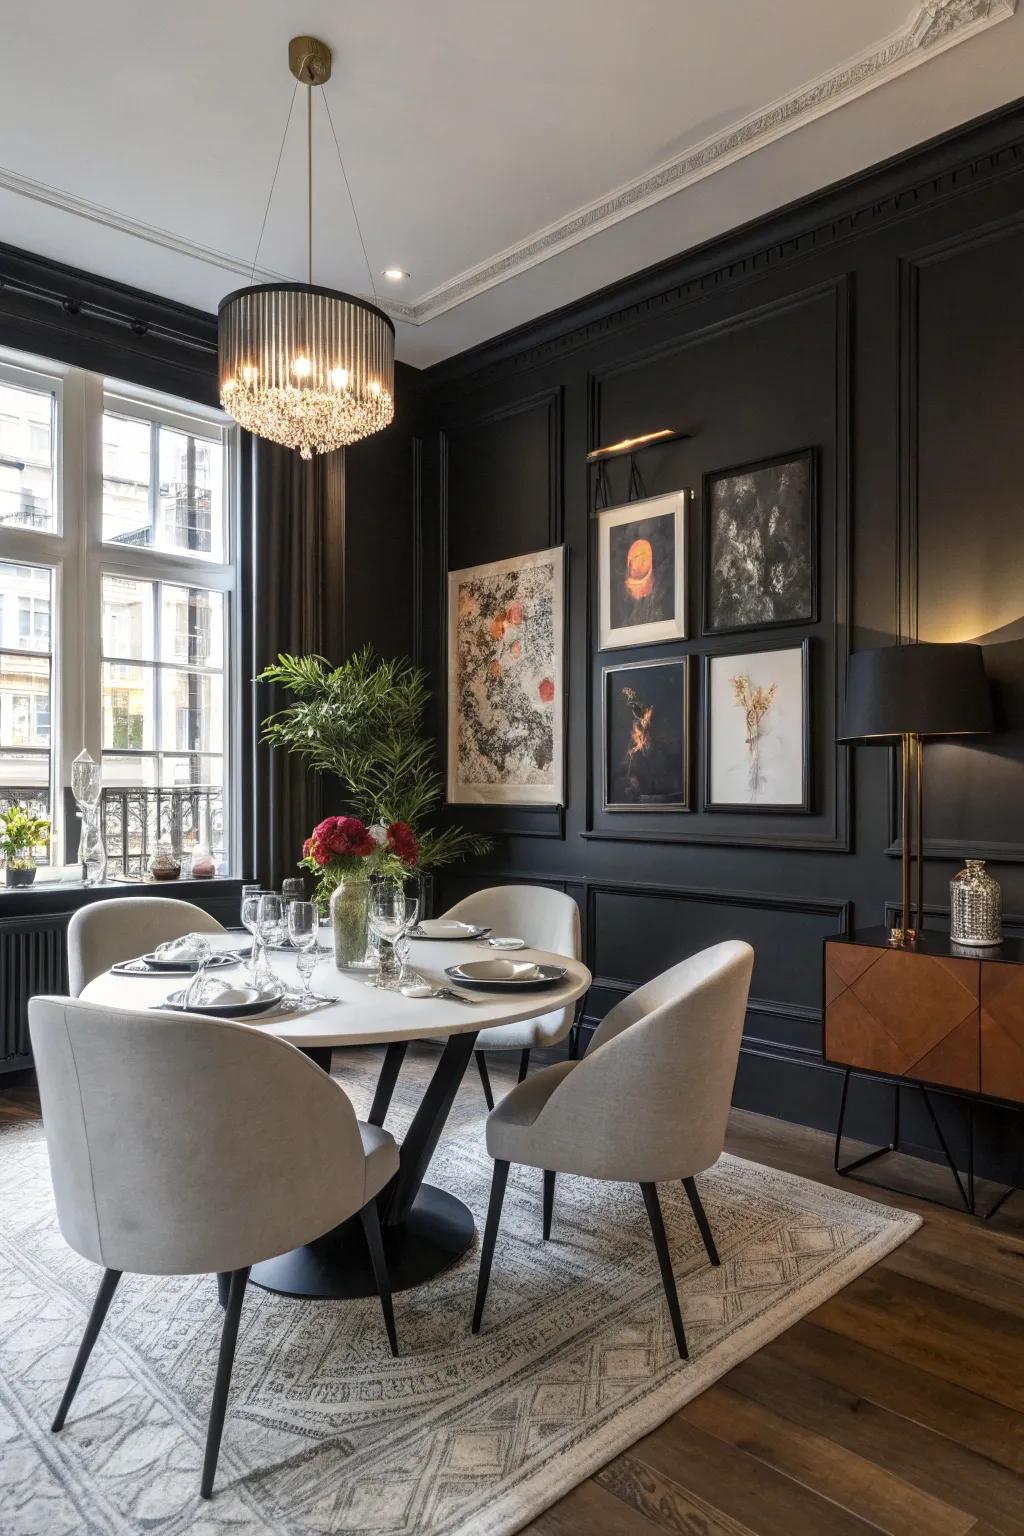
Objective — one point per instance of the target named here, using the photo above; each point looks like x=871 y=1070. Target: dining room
x=511 y=749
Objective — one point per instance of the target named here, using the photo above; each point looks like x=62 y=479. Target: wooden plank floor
x=898 y=1406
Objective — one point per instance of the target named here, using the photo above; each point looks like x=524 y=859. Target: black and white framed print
x=760 y=545
x=642 y=571
x=757 y=730
x=646 y=710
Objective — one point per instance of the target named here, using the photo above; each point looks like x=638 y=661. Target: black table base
x=424 y=1229
x=436 y=1232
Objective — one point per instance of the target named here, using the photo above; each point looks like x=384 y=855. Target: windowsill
x=65 y=895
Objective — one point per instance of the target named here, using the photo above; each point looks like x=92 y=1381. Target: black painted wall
x=883 y=323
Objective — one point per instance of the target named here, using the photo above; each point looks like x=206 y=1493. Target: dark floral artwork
x=760 y=555
x=505 y=681
x=646 y=748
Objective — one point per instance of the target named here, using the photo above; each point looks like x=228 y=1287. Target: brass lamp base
x=904 y=934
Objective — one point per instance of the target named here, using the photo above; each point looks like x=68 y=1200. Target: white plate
x=510 y=975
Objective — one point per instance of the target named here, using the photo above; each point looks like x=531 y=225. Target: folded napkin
x=191 y=946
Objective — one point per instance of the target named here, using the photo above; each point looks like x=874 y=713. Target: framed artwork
x=646 y=737
x=760 y=545
x=642 y=571
x=757 y=737
x=506 y=681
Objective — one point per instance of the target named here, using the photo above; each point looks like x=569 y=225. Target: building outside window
x=116 y=609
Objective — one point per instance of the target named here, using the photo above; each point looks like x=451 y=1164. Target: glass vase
x=348 y=922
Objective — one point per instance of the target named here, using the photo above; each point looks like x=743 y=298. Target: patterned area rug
x=460 y=1437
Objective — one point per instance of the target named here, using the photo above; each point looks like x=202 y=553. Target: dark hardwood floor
x=898 y=1406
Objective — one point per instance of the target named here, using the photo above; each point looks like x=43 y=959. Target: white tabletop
x=365 y=1015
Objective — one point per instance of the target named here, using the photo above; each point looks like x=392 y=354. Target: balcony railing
x=135 y=820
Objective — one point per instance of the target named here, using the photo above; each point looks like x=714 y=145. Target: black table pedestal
x=437 y=1231
x=424 y=1229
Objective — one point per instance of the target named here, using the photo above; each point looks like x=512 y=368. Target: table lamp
x=904 y=693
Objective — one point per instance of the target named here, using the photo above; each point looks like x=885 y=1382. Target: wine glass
x=273 y=928
x=293 y=889
x=250 y=919
x=387 y=922
x=304 y=932
x=412 y=886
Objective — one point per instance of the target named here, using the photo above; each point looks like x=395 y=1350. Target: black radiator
x=33 y=958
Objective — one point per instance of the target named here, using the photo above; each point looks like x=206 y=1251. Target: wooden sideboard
x=935 y=1015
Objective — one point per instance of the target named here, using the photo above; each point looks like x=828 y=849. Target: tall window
x=116 y=608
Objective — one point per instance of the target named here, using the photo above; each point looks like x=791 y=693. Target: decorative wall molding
x=709 y=832
x=932 y=28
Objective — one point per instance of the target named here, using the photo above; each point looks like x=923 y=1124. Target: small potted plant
x=19 y=834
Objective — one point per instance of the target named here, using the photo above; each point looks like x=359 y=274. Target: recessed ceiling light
x=394 y=274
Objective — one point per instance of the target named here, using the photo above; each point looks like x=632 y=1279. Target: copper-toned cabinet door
x=1002 y=1030
x=902 y=1013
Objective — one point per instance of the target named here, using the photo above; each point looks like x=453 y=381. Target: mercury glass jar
x=975 y=906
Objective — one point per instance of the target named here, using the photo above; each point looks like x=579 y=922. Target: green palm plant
x=363 y=722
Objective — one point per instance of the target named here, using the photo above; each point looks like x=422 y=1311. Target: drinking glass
x=273 y=928
x=304 y=932
x=250 y=919
x=387 y=922
x=412 y=886
x=293 y=889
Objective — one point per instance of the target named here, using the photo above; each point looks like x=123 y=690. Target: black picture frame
x=810 y=610
x=684 y=665
x=804 y=806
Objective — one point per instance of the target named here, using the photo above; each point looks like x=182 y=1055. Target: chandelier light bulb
x=302 y=367
x=338 y=377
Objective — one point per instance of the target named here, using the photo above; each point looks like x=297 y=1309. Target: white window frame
x=79 y=558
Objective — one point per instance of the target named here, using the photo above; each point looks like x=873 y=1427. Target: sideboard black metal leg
x=968 y=1200
x=427 y=1124
x=868 y=1157
x=393 y=1058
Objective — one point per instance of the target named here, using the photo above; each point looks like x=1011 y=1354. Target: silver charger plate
x=265 y=1004
x=146 y=965
x=462 y=976
x=466 y=937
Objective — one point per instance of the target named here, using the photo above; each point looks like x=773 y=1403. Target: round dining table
x=425 y=1228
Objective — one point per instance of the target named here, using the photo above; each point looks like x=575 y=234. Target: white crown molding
x=934 y=26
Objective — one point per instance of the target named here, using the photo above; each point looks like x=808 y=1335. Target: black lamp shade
x=927 y=690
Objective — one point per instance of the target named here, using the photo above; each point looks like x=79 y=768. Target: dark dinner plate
x=265 y=1004
x=549 y=976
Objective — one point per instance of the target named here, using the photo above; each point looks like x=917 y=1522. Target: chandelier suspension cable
x=273 y=184
x=309 y=183
x=351 y=200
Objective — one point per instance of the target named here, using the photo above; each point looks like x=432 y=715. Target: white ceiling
x=512 y=155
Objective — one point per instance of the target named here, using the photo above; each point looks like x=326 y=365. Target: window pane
x=192 y=713
x=191 y=489
x=27 y=418
x=192 y=626
x=25 y=689
x=126 y=508
x=128 y=772
x=129 y=714
x=177 y=772
x=128 y=618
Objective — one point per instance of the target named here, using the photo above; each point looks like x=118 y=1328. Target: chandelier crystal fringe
x=306 y=367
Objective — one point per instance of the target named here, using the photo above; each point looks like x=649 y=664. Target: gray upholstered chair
x=185 y=1145
x=546 y=919
x=106 y=932
x=648 y=1102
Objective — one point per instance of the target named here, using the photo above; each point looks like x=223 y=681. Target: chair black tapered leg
x=702 y=1221
x=668 y=1279
x=549 y=1200
x=524 y=1064
x=224 y=1287
x=225 y=1360
x=104 y=1296
x=498 y=1182
x=484 y=1078
x=371 y=1226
